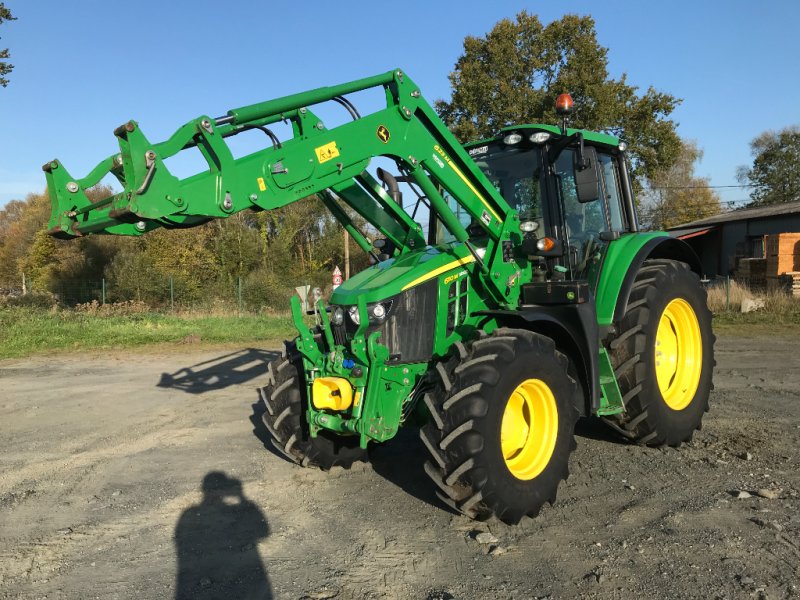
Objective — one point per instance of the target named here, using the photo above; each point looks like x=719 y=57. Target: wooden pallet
x=783 y=253
x=782 y=243
x=788 y=282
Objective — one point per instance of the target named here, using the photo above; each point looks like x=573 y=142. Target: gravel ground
x=141 y=475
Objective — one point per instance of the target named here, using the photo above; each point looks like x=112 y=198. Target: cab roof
x=589 y=136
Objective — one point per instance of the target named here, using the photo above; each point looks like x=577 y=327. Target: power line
x=704 y=187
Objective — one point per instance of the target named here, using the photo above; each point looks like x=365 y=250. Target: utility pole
x=346 y=255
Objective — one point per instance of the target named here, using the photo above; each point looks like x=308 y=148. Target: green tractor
x=530 y=299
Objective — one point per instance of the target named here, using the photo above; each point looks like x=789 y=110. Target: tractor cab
x=572 y=192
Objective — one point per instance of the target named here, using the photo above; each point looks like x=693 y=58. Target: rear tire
x=501 y=427
x=284 y=399
x=664 y=355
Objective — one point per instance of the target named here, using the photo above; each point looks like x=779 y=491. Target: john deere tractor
x=530 y=299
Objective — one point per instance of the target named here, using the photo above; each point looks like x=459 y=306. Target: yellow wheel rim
x=529 y=429
x=679 y=354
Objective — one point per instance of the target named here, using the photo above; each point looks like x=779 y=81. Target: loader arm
x=328 y=162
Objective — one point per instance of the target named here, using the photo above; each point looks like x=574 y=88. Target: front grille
x=408 y=329
x=339 y=334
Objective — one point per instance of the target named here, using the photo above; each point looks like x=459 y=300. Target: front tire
x=664 y=355
x=501 y=427
x=284 y=399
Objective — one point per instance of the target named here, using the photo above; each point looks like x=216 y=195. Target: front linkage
x=353 y=391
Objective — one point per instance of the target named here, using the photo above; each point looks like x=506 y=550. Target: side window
x=581 y=220
x=611 y=179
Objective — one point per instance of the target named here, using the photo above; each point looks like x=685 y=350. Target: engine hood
x=390 y=277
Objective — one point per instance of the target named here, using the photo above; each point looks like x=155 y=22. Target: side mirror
x=587 y=175
x=386 y=248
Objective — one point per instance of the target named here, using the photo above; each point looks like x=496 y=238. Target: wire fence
x=164 y=294
x=746 y=293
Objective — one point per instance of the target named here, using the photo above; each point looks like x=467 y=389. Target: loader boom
x=331 y=163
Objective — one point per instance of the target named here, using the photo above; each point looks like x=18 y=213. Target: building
x=722 y=240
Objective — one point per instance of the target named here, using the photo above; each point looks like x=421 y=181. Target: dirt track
x=103 y=460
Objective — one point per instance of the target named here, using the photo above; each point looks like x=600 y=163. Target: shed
x=722 y=240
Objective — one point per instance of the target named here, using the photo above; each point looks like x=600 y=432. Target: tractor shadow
x=260 y=430
x=219 y=373
x=400 y=461
x=593 y=428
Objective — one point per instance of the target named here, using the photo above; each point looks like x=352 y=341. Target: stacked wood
x=790 y=282
x=753 y=271
x=783 y=254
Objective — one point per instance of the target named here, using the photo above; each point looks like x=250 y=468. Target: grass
x=27 y=331
x=780 y=314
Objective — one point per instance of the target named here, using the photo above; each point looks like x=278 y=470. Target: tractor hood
x=393 y=276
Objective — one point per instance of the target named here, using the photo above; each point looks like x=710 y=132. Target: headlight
x=378 y=312
x=337 y=317
x=540 y=137
x=512 y=138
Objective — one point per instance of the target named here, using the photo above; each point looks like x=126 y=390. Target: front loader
x=529 y=300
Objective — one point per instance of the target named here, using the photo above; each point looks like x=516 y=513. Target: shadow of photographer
x=216 y=542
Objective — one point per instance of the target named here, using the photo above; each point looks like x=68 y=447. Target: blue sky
x=84 y=67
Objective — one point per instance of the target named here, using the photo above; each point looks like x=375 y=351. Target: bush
x=112 y=309
x=34 y=299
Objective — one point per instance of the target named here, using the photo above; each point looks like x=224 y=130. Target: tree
x=5 y=67
x=676 y=195
x=50 y=263
x=775 y=173
x=514 y=73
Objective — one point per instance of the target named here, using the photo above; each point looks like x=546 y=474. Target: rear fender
x=623 y=260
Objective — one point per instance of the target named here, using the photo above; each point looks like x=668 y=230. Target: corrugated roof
x=744 y=214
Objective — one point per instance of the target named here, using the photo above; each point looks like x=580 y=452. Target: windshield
x=515 y=172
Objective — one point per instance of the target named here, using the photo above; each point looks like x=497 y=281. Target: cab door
x=588 y=227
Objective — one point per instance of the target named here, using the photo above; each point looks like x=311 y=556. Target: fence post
x=104 y=290
x=171 y=295
x=727 y=292
x=239 y=292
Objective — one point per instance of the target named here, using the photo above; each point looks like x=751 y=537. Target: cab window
x=613 y=193
x=516 y=173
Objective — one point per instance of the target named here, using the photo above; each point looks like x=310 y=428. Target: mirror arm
x=555 y=150
x=582 y=162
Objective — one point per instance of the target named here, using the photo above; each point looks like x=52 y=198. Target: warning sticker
x=383 y=134
x=261 y=185
x=486 y=218
x=327 y=152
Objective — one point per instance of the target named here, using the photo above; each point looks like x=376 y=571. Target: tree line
x=264 y=254
x=510 y=75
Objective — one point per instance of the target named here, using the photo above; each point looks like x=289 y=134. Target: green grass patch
x=29 y=331
x=26 y=331
x=757 y=323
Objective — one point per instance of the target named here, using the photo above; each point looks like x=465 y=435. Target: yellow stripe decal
x=465 y=180
x=443 y=269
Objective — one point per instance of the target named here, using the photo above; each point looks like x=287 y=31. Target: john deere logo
x=383 y=134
